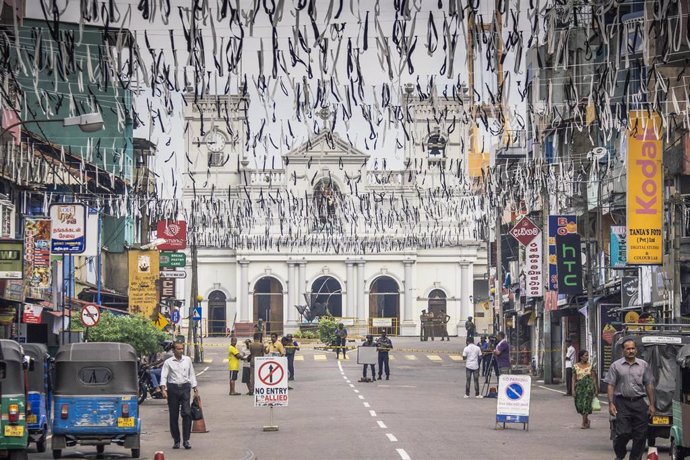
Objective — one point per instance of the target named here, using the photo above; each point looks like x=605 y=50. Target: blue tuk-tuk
x=39 y=395
x=95 y=397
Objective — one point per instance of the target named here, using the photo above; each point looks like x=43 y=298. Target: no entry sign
x=90 y=315
x=270 y=381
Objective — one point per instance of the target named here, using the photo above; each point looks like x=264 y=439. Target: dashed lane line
x=381 y=424
x=434 y=357
x=455 y=357
x=360 y=397
x=372 y=413
x=208 y=361
x=366 y=404
x=205 y=369
x=391 y=437
x=321 y=358
x=411 y=357
x=403 y=454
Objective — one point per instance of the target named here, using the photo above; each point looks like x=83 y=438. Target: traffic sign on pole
x=90 y=315
x=196 y=316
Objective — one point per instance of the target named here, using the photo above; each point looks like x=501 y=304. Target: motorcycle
x=146 y=386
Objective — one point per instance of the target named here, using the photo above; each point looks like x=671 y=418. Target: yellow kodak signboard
x=645 y=201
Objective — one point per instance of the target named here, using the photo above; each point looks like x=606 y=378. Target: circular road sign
x=514 y=391
x=271 y=373
x=90 y=315
x=175 y=317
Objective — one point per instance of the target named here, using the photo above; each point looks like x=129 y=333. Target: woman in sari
x=586 y=385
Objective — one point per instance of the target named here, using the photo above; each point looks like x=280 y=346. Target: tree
x=134 y=330
x=327 y=327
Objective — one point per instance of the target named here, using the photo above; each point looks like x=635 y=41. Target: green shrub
x=134 y=330
x=297 y=334
x=327 y=327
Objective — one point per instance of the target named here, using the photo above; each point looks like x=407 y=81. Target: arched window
x=216 y=313
x=268 y=304
x=326 y=292
x=436 y=147
x=384 y=302
x=437 y=303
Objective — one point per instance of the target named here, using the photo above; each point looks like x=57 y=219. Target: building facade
x=325 y=229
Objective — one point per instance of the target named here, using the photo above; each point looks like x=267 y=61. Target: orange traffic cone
x=199 y=426
x=160 y=455
x=653 y=453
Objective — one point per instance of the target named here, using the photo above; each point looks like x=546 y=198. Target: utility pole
x=192 y=335
x=547 y=361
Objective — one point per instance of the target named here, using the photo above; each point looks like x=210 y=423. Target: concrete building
x=373 y=245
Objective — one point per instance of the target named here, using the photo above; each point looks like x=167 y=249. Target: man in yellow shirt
x=275 y=348
x=233 y=365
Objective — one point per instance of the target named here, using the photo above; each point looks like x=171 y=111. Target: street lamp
x=88 y=122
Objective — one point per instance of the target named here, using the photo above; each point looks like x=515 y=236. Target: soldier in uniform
x=423 y=319
x=430 y=325
x=384 y=345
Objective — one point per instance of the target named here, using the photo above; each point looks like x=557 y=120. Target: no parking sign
x=513 y=399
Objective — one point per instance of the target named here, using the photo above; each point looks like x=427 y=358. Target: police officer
x=384 y=345
x=423 y=319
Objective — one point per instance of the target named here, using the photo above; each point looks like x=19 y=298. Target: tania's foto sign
x=645 y=203
x=68 y=228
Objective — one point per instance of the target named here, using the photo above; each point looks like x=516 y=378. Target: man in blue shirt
x=502 y=353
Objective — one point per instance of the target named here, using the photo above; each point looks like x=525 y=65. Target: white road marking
x=434 y=357
x=340 y=366
x=205 y=369
x=403 y=454
x=351 y=385
x=391 y=438
x=381 y=424
x=455 y=357
x=299 y=358
x=360 y=397
x=372 y=413
x=356 y=391
x=366 y=404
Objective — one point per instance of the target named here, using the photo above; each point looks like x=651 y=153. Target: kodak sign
x=645 y=203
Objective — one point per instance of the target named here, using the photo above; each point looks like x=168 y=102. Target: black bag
x=197 y=414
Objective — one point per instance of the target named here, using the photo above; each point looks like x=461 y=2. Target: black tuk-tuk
x=95 y=397
x=659 y=347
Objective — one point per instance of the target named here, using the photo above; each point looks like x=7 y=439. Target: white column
x=302 y=280
x=362 y=312
x=243 y=299
x=349 y=301
x=469 y=290
x=409 y=287
x=459 y=296
x=291 y=297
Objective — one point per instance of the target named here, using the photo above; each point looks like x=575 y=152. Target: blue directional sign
x=514 y=391
x=197 y=314
x=175 y=317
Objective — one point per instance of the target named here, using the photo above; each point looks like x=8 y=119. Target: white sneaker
x=480 y=396
x=466 y=397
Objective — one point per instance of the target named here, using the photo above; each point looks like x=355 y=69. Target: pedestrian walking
x=383 y=346
x=256 y=349
x=502 y=353
x=472 y=354
x=234 y=357
x=369 y=342
x=291 y=347
x=470 y=328
x=246 y=366
x=569 y=361
x=340 y=341
x=629 y=379
x=178 y=380
x=275 y=347
x=586 y=385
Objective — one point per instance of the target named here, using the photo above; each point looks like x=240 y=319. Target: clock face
x=216 y=140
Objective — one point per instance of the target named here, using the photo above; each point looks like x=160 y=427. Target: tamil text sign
x=37 y=272
x=143 y=282
x=68 y=228
x=645 y=204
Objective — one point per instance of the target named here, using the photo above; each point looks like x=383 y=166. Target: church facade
x=320 y=227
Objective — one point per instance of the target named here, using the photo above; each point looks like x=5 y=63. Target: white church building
x=321 y=225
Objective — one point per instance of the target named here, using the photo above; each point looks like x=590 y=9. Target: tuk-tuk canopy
x=11 y=367
x=96 y=368
x=38 y=352
x=683 y=356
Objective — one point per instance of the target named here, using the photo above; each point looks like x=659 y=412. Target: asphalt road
x=419 y=414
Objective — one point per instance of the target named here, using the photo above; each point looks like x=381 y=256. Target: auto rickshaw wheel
x=57 y=453
x=136 y=453
x=677 y=453
x=18 y=455
x=41 y=444
x=100 y=449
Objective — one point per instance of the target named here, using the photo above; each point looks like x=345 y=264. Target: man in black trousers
x=177 y=381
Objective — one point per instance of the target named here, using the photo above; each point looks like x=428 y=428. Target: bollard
x=160 y=455
x=653 y=453
x=199 y=426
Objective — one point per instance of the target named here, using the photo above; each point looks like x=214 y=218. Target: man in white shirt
x=177 y=381
x=472 y=354
x=569 y=360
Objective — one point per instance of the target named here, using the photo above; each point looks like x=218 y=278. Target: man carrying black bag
x=177 y=381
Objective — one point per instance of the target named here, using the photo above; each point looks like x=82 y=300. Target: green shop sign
x=173 y=259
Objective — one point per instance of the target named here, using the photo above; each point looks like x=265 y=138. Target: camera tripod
x=487 y=379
